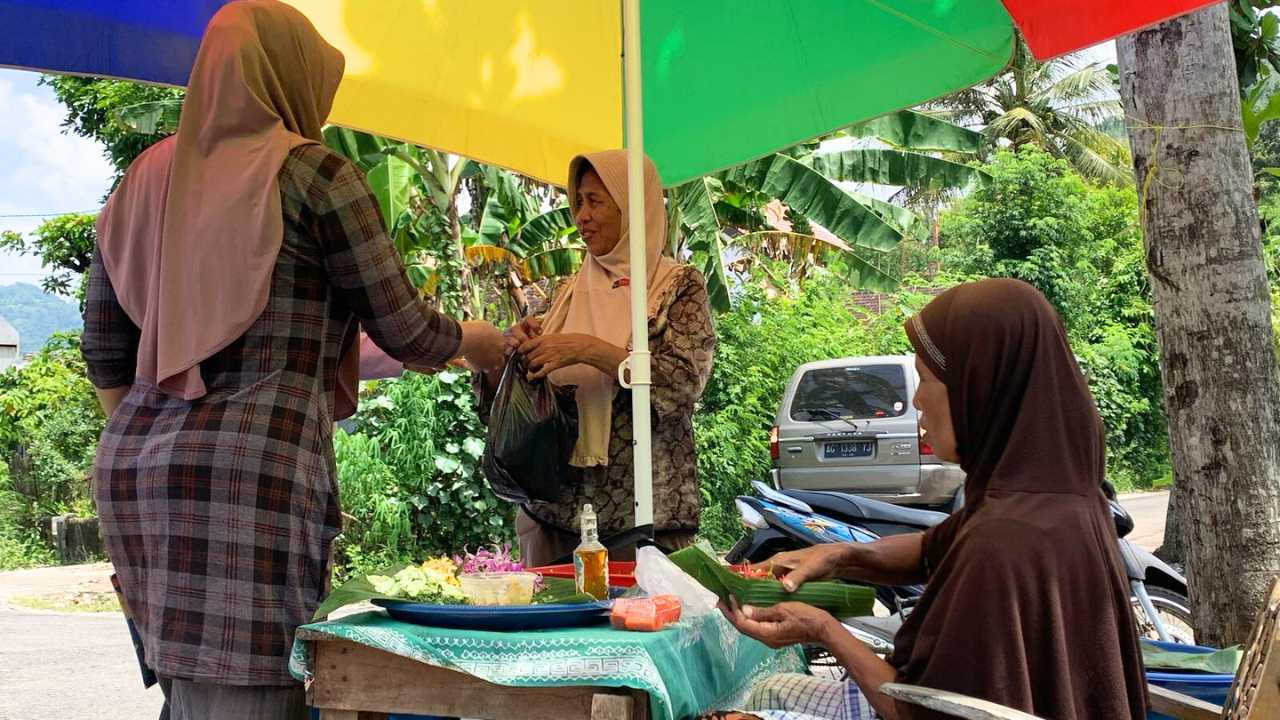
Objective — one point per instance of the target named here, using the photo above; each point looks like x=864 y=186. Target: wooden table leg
x=611 y=707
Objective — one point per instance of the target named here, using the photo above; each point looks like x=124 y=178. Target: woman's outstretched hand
x=788 y=623
x=522 y=332
x=483 y=345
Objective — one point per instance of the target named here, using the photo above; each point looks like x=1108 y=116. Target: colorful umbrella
x=527 y=84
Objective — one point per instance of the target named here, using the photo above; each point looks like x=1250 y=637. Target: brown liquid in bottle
x=591 y=559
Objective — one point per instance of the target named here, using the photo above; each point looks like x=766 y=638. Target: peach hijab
x=597 y=301
x=190 y=237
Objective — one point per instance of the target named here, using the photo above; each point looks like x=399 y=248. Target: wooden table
x=357 y=682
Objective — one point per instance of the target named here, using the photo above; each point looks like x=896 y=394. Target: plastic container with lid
x=499 y=588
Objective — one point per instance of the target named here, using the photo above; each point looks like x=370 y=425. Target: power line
x=52 y=214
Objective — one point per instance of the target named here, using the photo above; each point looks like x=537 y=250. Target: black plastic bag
x=530 y=441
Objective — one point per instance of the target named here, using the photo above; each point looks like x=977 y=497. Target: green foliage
x=1038 y=221
x=410 y=478
x=1032 y=221
x=20 y=548
x=1255 y=36
x=97 y=109
x=472 y=267
x=49 y=426
x=64 y=244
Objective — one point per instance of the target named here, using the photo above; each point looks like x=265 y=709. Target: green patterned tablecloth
x=689 y=668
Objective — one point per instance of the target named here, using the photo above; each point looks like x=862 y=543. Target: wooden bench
x=1255 y=694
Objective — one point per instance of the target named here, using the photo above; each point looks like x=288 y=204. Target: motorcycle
x=779 y=520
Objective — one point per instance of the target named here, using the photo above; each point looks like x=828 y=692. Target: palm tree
x=1066 y=107
x=733 y=214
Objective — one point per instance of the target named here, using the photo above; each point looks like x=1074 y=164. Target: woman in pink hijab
x=235 y=263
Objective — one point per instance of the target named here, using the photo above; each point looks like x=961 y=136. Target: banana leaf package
x=840 y=599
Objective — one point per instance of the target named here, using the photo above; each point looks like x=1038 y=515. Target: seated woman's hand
x=817 y=562
x=548 y=353
x=789 y=623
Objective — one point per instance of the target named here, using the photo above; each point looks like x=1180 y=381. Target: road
x=76 y=666
x=60 y=666
x=72 y=666
x=1148 y=511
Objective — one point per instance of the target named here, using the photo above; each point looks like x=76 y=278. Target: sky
x=45 y=172
x=42 y=170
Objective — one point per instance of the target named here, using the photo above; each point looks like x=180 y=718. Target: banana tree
x=725 y=215
x=519 y=241
x=418 y=190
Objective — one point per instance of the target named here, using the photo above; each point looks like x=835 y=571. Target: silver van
x=849 y=425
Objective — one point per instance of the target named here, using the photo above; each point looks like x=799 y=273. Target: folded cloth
x=791 y=696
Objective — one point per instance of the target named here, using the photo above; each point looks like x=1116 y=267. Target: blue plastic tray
x=498 y=617
x=1204 y=686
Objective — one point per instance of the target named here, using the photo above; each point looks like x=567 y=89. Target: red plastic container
x=621 y=574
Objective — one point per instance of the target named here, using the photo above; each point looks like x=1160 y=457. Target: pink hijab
x=597 y=301
x=191 y=236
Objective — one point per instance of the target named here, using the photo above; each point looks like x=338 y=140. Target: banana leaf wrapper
x=839 y=599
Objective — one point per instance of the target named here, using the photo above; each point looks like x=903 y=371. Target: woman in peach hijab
x=579 y=344
x=235 y=262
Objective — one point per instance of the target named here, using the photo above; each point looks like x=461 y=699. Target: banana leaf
x=839 y=599
x=359 y=589
x=1219 y=662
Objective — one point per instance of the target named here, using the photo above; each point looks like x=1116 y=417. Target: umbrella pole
x=638 y=362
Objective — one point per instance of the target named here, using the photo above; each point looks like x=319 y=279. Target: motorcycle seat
x=848 y=507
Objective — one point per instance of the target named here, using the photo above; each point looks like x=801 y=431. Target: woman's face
x=934 y=406
x=599 y=219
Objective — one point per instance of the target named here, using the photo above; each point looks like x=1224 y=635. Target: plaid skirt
x=218 y=516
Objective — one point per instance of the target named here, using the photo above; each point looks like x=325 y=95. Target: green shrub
x=1080 y=245
x=49 y=426
x=410 y=478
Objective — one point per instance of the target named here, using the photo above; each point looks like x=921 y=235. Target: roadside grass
x=83 y=602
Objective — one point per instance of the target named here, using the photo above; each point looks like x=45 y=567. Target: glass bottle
x=591 y=559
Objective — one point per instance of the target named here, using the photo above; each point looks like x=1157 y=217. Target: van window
x=856 y=393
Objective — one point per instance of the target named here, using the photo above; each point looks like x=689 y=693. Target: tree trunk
x=1173 y=549
x=469 y=304
x=1212 y=310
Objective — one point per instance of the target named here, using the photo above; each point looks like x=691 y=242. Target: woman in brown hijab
x=235 y=262
x=1026 y=603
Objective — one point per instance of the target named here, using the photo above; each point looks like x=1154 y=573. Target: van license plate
x=839 y=450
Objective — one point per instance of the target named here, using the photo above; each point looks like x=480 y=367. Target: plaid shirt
x=218 y=513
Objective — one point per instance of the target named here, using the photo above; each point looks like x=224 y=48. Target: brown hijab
x=191 y=236
x=1027 y=602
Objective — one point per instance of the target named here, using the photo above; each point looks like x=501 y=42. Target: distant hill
x=36 y=314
